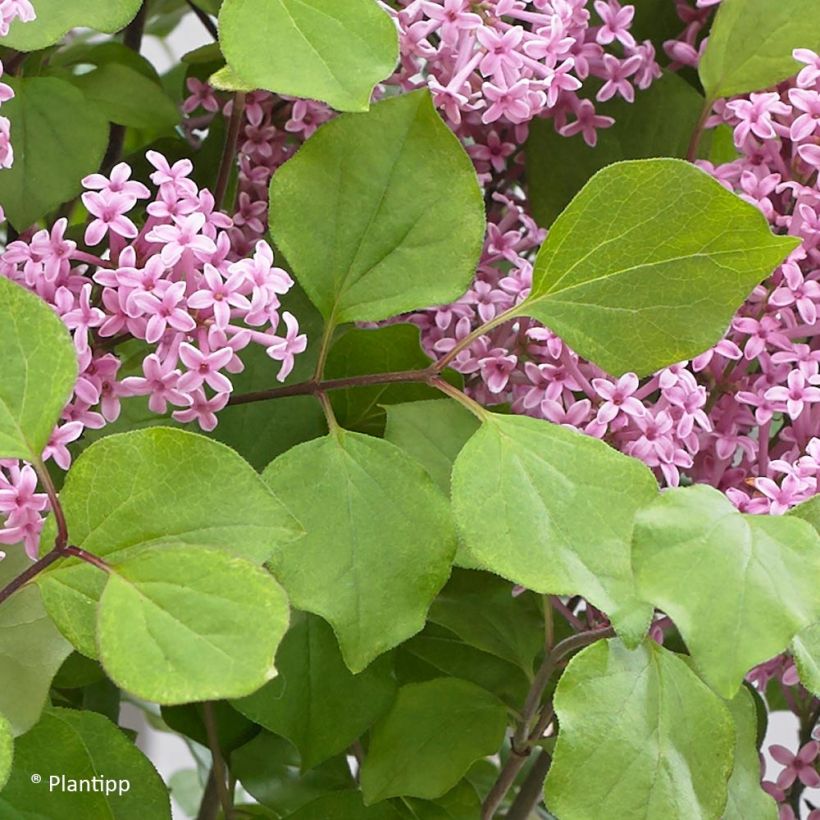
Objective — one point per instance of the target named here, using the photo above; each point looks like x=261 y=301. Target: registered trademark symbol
x=35 y=778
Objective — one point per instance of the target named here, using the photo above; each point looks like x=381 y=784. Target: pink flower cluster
x=494 y=66
x=176 y=284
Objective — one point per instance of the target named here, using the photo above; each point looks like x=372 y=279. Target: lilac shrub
x=477 y=557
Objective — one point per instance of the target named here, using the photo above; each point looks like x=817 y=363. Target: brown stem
x=209 y=805
x=523 y=737
x=532 y=788
x=312 y=387
x=218 y=770
x=503 y=784
x=24 y=577
x=61 y=541
x=229 y=151
x=88 y=557
x=204 y=19
x=697 y=134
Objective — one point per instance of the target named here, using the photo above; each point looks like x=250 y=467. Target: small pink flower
x=109 y=210
x=202 y=410
x=284 y=350
x=798 y=766
x=618 y=398
x=204 y=367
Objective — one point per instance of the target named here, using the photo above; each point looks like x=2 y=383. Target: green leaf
x=31 y=648
x=156 y=486
x=437 y=651
x=181 y=624
x=806 y=650
x=315 y=702
x=460 y=803
x=747 y=801
x=6 y=751
x=433 y=433
x=55 y=18
x=552 y=509
x=346 y=805
x=128 y=98
x=633 y=276
x=379 y=542
x=430 y=738
x=335 y=52
x=81 y=746
x=38 y=369
x=481 y=610
x=657 y=739
x=360 y=214
x=723 y=578
x=360 y=352
x=658 y=124
x=751 y=42
x=655 y=20
x=49 y=158
x=232 y=728
x=268 y=768
x=808 y=511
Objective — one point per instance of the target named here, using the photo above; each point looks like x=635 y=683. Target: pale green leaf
x=380 y=213
x=315 y=701
x=226 y=79
x=747 y=801
x=81 y=746
x=432 y=432
x=430 y=738
x=181 y=624
x=641 y=734
x=379 y=542
x=31 y=648
x=50 y=159
x=552 y=509
x=658 y=124
x=751 y=42
x=648 y=264
x=6 y=750
x=127 y=97
x=160 y=485
x=38 y=368
x=55 y=18
x=806 y=651
x=335 y=52
x=738 y=587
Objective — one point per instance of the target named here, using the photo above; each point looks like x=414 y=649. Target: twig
x=228 y=161
x=218 y=769
x=531 y=789
x=524 y=738
x=204 y=19
x=312 y=386
x=209 y=805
